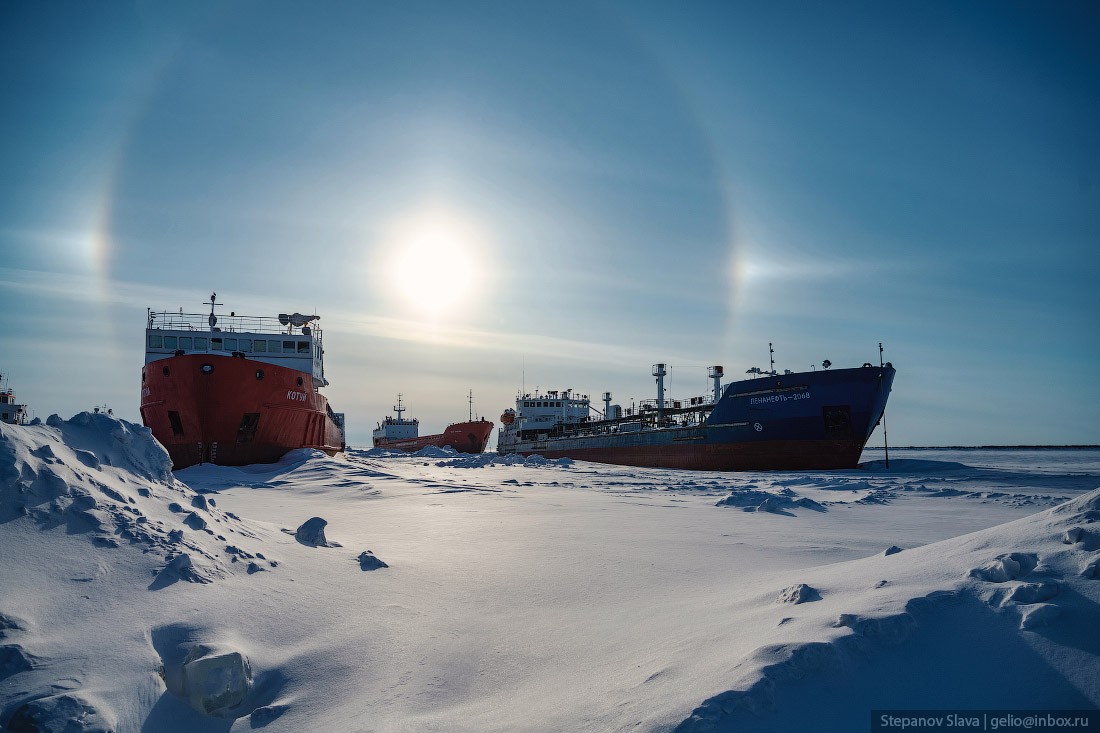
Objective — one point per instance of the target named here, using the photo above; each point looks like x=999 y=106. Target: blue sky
x=616 y=184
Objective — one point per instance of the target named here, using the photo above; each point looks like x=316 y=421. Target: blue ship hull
x=804 y=421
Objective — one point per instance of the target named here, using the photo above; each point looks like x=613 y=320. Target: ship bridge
x=11 y=411
x=292 y=341
x=397 y=428
x=543 y=411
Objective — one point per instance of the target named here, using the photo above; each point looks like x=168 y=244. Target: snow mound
x=93 y=506
x=69 y=712
x=183 y=567
x=434 y=451
x=483 y=460
x=1004 y=568
x=796 y=594
x=914 y=465
x=1086 y=507
x=266 y=714
x=110 y=480
x=756 y=500
x=921 y=623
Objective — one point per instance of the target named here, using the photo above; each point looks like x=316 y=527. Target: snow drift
x=535 y=595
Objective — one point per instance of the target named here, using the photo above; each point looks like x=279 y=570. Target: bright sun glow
x=434 y=262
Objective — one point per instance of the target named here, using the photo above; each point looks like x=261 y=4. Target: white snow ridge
x=530 y=595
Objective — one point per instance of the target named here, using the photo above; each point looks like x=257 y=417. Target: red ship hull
x=464 y=437
x=212 y=408
x=786 y=455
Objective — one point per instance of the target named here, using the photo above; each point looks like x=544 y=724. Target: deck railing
x=178 y=321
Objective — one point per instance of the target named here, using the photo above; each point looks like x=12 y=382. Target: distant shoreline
x=985 y=447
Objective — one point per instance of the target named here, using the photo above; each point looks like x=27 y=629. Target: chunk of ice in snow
x=215 y=681
x=312 y=532
x=368 y=561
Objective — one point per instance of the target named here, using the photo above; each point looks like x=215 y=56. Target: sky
x=495 y=196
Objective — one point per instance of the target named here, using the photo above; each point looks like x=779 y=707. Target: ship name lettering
x=296 y=396
x=779 y=398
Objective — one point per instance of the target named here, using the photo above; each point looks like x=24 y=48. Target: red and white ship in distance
x=403 y=434
x=235 y=390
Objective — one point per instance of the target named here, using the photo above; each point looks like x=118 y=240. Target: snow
x=527 y=594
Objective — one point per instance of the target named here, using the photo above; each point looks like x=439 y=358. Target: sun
x=434 y=265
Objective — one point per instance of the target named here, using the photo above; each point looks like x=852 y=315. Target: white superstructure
x=11 y=411
x=397 y=428
x=289 y=340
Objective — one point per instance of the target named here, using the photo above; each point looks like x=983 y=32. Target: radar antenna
x=213 y=319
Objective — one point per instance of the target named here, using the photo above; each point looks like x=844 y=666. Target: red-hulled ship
x=235 y=390
x=403 y=434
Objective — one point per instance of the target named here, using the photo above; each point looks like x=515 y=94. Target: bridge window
x=288 y=347
x=200 y=342
x=155 y=341
x=231 y=344
x=185 y=342
x=215 y=344
x=170 y=342
x=259 y=346
x=275 y=347
x=245 y=344
x=303 y=347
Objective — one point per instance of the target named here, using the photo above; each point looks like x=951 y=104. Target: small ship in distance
x=400 y=433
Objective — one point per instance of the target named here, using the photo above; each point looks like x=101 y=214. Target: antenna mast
x=213 y=319
x=471 y=398
x=398 y=408
x=885 y=442
x=771 y=355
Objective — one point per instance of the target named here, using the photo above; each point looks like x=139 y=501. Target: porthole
x=164 y=371
x=207 y=368
x=299 y=381
x=259 y=374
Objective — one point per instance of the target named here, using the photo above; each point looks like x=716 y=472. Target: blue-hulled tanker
x=793 y=421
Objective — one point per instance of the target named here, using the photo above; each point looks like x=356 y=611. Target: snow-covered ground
x=484 y=593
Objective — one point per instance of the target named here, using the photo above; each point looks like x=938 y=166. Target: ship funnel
x=660 y=373
x=716 y=373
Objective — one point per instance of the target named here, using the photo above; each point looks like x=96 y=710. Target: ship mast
x=885 y=442
x=398 y=408
x=471 y=398
x=213 y=319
